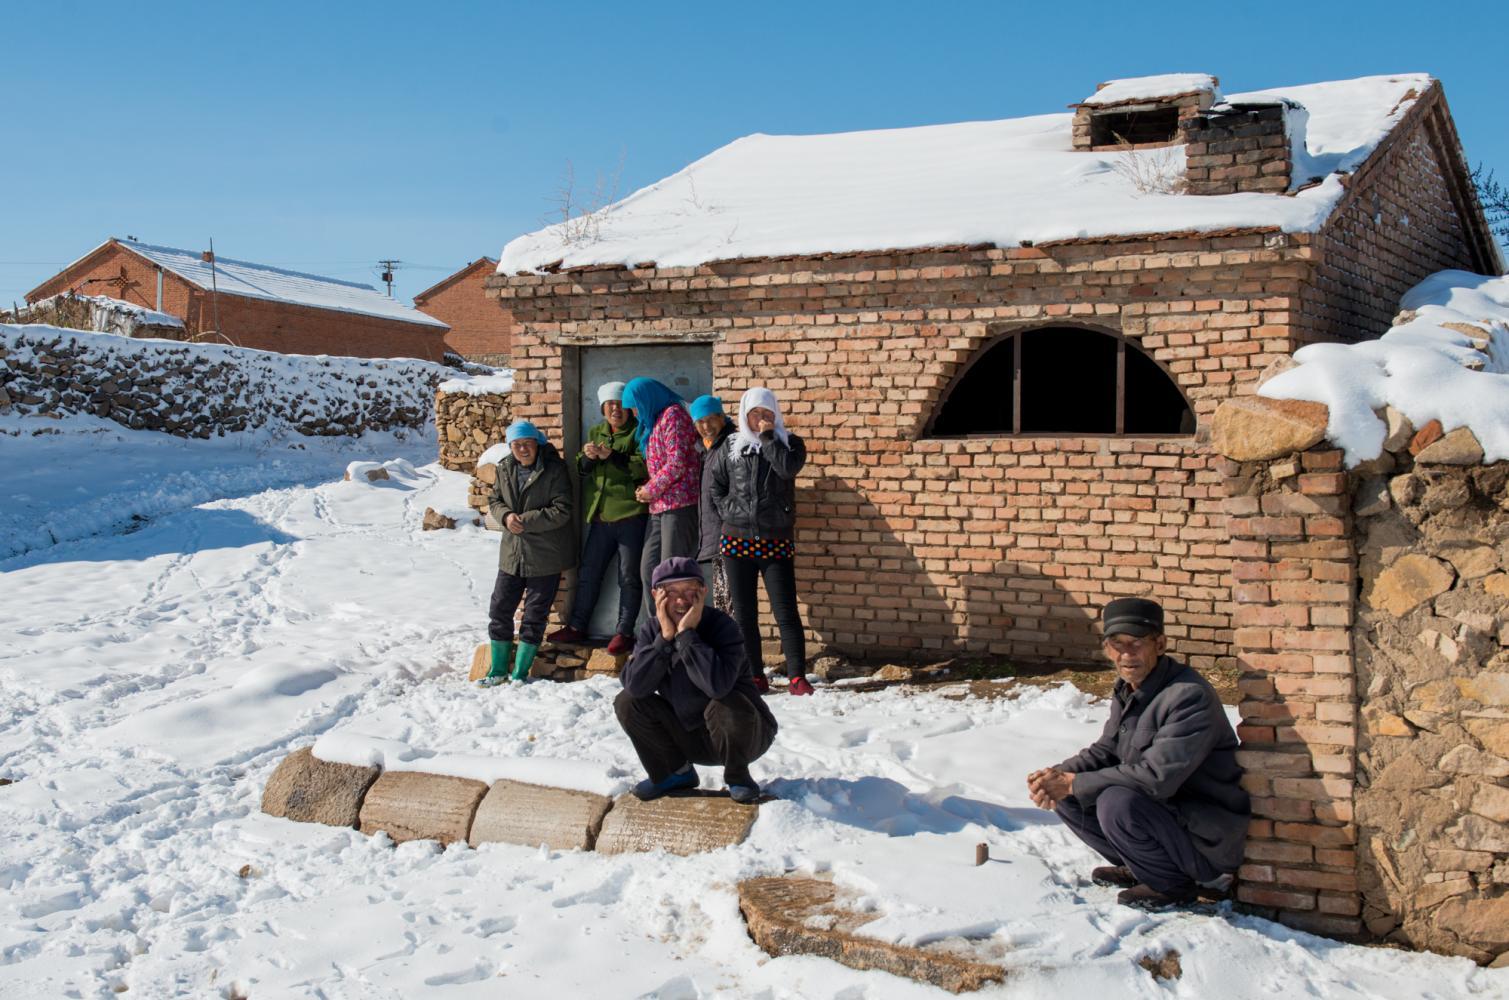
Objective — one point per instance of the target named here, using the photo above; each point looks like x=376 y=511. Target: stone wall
x=467 y=424
x=200 y=390
x=1372 y=618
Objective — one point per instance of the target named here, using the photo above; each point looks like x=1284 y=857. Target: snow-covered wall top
x=1446 y=359
x=106 y=315
x=1147 y=88
x=998 y=182
x=498 y=383
x=259 y=281
x=202 y=389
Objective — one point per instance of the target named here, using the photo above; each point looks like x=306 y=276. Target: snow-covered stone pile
x=199 y=390
x=1446 y=359
x=471 y=413
x=102 y=314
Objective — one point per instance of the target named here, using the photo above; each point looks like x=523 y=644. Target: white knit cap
x=609 y=391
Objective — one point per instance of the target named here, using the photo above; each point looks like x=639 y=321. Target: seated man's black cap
x=1131 y=616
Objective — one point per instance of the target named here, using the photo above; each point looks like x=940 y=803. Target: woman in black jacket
x=754 y=491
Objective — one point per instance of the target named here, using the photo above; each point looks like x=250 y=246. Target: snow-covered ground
x=150 y=681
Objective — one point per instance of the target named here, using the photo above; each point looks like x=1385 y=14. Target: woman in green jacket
x=532 y=500
x=611 y=468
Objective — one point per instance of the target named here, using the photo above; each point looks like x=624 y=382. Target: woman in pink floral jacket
x=669 y=442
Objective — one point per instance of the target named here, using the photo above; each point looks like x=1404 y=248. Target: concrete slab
x=413 y=805
x=679 y=824
x=517 y=813
x=798 y=915
x=309 y=790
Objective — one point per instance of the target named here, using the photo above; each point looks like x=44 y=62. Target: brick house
x=252 y=305
x=1004 y=341
x=479 y=330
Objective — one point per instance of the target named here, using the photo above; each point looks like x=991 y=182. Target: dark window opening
x=1063 y=380
x=1154 y=125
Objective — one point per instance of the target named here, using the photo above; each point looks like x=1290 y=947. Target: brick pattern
x=1082 y=130
x=1397 y=226
x=1293 y=572
x=1247 y=151
x=480 y=331
x=255 y=323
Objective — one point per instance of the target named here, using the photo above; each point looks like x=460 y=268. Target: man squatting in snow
x=688 y=696
x=1159 y=795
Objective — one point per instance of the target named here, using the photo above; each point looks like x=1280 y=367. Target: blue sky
x=325 y=136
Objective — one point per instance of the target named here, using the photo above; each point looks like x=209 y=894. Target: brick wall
x=1237 y=151
x=254 y=323
x=1293 y=571
x=480 y=329
x=1398 y=224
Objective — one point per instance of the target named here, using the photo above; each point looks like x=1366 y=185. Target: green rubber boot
x=497 y=670
x=523 y=659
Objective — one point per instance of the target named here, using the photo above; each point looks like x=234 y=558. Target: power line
x=388 y=267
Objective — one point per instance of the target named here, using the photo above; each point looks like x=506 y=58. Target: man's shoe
x=746 y=794
x=649 y=789
x=761 y=683
x=1145 y=897
x=620 y=644
x=501 y=659
x=567 y=636
x=799 y=685
x=1119 y=876
x=1216 y=889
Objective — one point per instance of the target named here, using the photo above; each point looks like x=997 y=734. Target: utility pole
x=388 y=267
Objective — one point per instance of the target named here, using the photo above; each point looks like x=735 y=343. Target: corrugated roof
x=260 y=281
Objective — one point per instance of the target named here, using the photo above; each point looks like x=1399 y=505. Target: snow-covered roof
x=1000 y=182
x=260 y=281
x=1446 y=359
x=1147 y=88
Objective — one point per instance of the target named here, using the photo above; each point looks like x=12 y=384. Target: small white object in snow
x=1147 y=88
x=1421 y=367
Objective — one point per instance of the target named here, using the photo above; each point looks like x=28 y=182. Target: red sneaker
x=620 y=644
x=761 y=683
x=799 y=685
x=567 y=636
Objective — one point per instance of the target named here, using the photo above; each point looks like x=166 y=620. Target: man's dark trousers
x=733 y=735
x=537 y=593
x=1129 y=828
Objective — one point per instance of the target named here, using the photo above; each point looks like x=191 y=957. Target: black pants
x=1129 y=828
x=733 y=734
x=670 y=533
x=604 y=538
x=780 y=587
x=537 y=592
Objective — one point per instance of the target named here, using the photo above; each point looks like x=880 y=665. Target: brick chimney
x=1143 y=112
x=1248 y=146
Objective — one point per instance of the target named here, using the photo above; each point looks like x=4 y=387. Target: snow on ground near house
x=1420 y=367
x=151 y=681
x=998 y=182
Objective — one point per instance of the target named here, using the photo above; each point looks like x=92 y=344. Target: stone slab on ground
x=530 y=815
x=780 y=912
x=309 y=790
x=482 y=660
x=413 y=805
x=678 y=824
x=603 y=662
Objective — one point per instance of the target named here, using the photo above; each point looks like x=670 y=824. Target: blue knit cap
x=520 y=430
x=705 y=406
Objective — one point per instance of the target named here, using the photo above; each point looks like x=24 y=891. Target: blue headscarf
x=648 y=399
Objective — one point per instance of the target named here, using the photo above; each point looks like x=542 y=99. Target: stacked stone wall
x=202 y=390
x=467 y=424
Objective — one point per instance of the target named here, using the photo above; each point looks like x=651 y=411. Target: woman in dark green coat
x=531 y=499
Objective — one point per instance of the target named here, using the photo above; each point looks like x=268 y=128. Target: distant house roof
x=261 y=281
x=998 y=182
x=454 y=277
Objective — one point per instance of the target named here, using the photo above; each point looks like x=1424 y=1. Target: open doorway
x=686 y=368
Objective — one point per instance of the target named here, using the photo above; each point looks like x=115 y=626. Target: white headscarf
x=755 y=397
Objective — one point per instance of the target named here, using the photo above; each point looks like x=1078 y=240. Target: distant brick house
x=252 y=305
x=480 y=331
x=1004 y=341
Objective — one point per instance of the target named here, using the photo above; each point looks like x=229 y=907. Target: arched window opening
x=1063 y=380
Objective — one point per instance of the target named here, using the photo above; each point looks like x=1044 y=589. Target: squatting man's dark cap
x=1131 y=616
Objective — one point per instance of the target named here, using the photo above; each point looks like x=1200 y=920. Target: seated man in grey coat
x=1159 y=795
x=688 y=697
